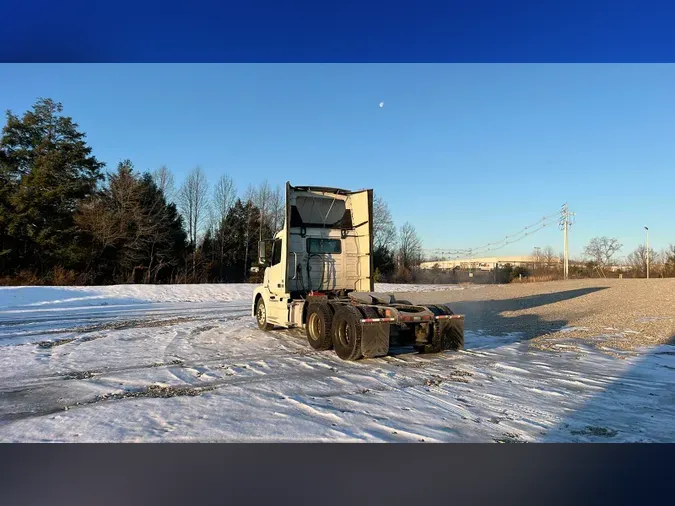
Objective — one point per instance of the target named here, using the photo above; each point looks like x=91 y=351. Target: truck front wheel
x=319 y=326
x=261 y=316
x=347 y=333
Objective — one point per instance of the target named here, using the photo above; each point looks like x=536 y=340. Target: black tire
x=369 y=312
x=261 y=316
x=406 y=302
x=444 y=310
x=347 y=333
x=437 y=338
x=319 y=326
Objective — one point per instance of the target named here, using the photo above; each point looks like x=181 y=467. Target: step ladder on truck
x=318 y=276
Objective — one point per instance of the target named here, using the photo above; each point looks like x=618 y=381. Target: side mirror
x=262 y=260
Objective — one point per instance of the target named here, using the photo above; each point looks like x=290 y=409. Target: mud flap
x=375 y=339
x=449 y=334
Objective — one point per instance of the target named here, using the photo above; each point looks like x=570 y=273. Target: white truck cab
x=319 y=276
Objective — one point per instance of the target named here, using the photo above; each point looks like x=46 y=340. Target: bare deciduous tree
x=277 y=210
x=224 y=196
x=164 y=180
x=549 y=257
x=223 y=199
x=669 y=261
x=410 y=246
x=270 y=204
x=261 y=198
x=602 y=250
x=384 y=230
x=637 y=260
x=537 y=258
x=193 y=202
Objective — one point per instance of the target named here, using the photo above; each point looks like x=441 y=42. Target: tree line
x=65 y=220
x=601 y=259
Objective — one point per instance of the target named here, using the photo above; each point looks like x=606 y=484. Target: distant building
x=487 y=263
x=615 y=268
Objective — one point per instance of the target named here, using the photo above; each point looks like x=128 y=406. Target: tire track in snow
x=116 y=396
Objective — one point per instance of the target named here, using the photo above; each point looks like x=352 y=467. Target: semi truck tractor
x=319 y=277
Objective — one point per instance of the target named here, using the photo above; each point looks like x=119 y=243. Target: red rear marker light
x=376 y=320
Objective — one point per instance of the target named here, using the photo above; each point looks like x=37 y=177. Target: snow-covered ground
x=187 y=363
x=81 y=297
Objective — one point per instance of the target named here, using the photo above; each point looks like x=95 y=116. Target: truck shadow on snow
x=622 y=402
x=486 y=326
x=607 y=399
x=604 y=398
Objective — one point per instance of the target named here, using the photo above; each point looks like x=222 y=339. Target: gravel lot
x=619 y=314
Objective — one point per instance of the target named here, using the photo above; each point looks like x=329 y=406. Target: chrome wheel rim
x=262 y=316
x=344 y=334
x=314 y=325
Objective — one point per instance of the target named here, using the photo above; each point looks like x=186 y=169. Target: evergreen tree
x=233 y=234
x=46 y=170
x=208 y=257
x=240 y=233
x=163 y=226
x=384 y=260
x=136 y=235
x=384 y=238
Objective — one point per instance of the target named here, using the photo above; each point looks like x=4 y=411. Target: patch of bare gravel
x=610 y=314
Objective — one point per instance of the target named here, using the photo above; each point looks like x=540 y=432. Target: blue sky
x=467 y=153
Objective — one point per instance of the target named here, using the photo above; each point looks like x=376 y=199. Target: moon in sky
x=381 y=104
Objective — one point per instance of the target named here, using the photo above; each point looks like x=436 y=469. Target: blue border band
x=346 y=31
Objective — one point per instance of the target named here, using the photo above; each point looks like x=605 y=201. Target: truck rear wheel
x=432 y=333
x=347 y=333
x=261 y=316
x=319 y=326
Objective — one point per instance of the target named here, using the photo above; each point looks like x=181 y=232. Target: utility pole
x=647 y=232
x=567 y=255
x=565 y=224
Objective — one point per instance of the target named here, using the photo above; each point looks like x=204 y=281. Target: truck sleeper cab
x=318 y=277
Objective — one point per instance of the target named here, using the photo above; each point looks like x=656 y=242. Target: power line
x=506 y=243
x=516 y=240
x=509 y=239
x=494 y=243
